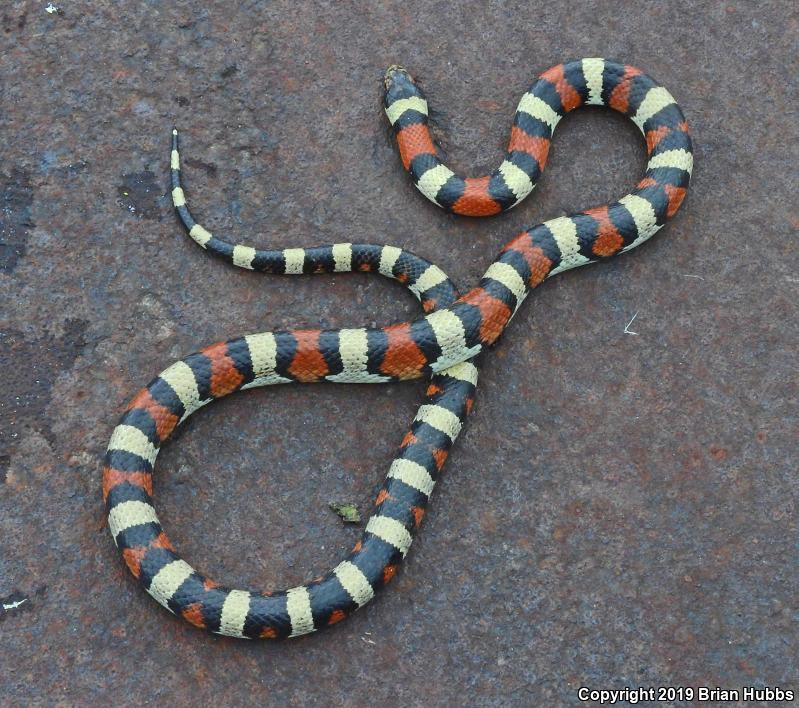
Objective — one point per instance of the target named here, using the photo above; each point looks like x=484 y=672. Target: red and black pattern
x=557 y=91
x=443 y=342
x=399 y=507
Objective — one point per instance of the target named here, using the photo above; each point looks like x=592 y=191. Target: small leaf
x=348 y=512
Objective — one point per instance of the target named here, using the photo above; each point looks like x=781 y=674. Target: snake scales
x=441 y=343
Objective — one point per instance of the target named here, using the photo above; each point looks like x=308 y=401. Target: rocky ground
x=622 y=508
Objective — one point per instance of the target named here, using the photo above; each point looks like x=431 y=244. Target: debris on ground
x=348 y=512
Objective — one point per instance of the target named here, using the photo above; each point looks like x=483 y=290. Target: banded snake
x=442 y=343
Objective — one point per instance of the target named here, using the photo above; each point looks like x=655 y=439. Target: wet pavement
x=622 y=507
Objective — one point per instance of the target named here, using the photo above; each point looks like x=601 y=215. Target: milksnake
x=442 y=343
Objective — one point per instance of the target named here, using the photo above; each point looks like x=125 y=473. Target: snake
x=442 y=343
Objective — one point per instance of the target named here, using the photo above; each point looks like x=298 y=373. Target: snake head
x=392 y=71
x=399 y=84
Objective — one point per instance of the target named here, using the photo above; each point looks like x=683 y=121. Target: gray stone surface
x=622 y=509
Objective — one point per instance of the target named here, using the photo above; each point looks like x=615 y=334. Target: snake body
x=442 y=343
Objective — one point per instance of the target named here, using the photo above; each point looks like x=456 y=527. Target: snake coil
x=442 y=343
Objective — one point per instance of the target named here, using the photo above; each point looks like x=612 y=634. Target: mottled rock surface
x=622 y=508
